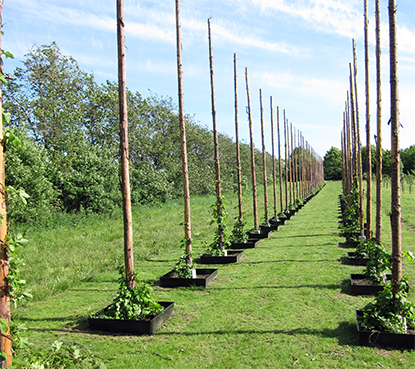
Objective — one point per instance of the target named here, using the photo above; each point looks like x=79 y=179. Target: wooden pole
x=264 y=161
x=349 y=147
x=238 y=155
x=274 y=174
x=5 y=339
x=182 y=122
x=395 y=156
x=251 y=135
x=379 y=153
x=125 y=174
x=359 y=144
x=215 y=145
x=368 y=145
x=286 y=164
x=279 y=159
x=353 y=122
x=290 y=140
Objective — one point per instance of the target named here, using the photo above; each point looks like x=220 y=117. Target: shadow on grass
x=320 y=286
x=310 y=235
x=288 y=261
x=297 y=246
x=345 y=333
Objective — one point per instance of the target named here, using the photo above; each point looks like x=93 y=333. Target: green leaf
x=7 y=54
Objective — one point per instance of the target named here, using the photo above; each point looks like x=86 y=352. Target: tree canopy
x=69 y=123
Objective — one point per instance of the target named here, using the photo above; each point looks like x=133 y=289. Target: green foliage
x=221 y=238
x=408 y=159
x=333 y=164
x=379 y=265
x=135 y=304
x=70 y=130
x=183 y=268
x=61 y=354
x=351 y=211
x=29 y=167
x=239 y=234
x=389 y=313
x=366 y=248
x=17 y=285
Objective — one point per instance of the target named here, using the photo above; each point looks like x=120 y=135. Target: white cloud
x=329 y=89
x=344 y=18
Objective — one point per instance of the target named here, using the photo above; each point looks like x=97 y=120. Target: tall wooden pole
x=353 y=122
x=349 y=146
x=395 y=156
x=290 y=161
x=5 y=339
x=368 y=146
x=359 y=144
x=379 y=154
x=125 y=174
x=274 y=169
x=251 y=135
x=182 y=122
x=286 y=163
x=238 y=155
x=264 y=161
x=279 y=159
x=215 y=145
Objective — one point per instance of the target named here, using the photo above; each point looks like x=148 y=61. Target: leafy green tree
x=29 y=167
x=408 y=159
x=333 y=164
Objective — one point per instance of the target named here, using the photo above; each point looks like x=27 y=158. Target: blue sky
x=296 y=51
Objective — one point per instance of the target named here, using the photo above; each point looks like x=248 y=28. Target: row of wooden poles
x=303 y=166
x=351 y=144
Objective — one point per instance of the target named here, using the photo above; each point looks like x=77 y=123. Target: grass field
x=287 y=304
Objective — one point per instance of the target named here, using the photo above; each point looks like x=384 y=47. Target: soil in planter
x=250 y=244
x=204 y=277
x=232 y=257
x=363 y=286
x=356 y=260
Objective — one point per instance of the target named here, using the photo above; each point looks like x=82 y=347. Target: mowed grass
x=287 y=304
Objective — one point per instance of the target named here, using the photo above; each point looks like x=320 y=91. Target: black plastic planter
x=260 y=235
x=384 y=339
x=366 y=289
x=136 y=327
x=353 y=260
x=204 y=277
x=279 y=222
x=232 y=257
x=349 y=244
x=250 y=244
x=269 y=228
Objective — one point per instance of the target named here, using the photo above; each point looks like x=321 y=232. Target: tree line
x=333 y=162
x=70 y=157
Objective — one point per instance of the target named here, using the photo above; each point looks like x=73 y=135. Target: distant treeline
x=333 y=162
x=69 y=126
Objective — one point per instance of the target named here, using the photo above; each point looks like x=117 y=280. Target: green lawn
x=287 y=304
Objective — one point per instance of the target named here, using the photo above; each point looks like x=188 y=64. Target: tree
x=408 y=159
x=333 y=164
